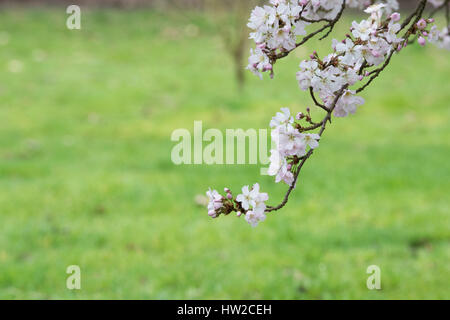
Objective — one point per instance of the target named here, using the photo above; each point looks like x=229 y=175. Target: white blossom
x=362 y=30
x=254 y=202
x=278 y=168
x=352 y=53
x=290 y=141
x=247 y=198
x=347 y=104
x=312 y=140
x=258 y=62
x=254 y=217
x=282 y=118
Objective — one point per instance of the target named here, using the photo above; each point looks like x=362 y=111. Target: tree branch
x=322 y=125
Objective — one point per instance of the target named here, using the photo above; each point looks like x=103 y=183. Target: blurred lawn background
x=86 y=177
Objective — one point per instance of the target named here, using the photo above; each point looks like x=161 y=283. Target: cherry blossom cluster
x=291 y=144
x=441 y=38
x=277 y=26
x=370 y=43
x=250 y=202
x=358 y=59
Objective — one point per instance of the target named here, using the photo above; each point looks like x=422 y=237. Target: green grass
x=86 y=176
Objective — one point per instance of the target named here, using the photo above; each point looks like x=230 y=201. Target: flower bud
x=422 y=41
x=267 y=67
x=229 y=196
x=299 y=116
x=422 y=24
x=262 y=45
x=395 y=16
x=212 y=214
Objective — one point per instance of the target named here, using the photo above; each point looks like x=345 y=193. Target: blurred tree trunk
x=230 y=17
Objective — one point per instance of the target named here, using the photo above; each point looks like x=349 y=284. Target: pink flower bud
x=361 y=77
x=395 y=16
x=425 y=34
x=299 y=116
x=238 y=213
x=430 y=20
x=267 y=67
x=212 y=214
x=226 y=190
x=289 y=166
x=229 y=196
x=303 y=2
x=422 y=24
x=262 y=45
x=422 y=41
